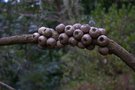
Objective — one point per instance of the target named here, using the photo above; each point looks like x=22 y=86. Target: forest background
x=27 y=67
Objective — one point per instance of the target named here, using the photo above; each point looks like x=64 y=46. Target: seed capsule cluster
x=82 y=36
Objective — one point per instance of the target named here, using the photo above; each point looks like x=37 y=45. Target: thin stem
x=6 y=86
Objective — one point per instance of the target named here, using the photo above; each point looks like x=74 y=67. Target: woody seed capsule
x=77 y=25
x=51 y=42
x=59 y=44
x=103 y=50
x=94 y=32
x=42 y=40
x=36 y=35
x=69 y=29
x=60 y=28
x=85 y=28
x=55 y=34
x=102 y=31
x=41 y=29
x=63 y=38
x=78 y=34
x=72 y=41
x=102 y=40
x=47 y=32
x=80 y=45
x=86 y=39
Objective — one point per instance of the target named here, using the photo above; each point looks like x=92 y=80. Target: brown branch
x=115 y=48
x=6 y=86
x=22 y=39
x=122 y=53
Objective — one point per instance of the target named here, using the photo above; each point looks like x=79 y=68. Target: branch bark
x=122 y=53
x=6 y=86
x=115 y=48
x=18 y=39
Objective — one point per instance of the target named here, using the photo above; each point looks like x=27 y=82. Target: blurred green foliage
x=27 y=67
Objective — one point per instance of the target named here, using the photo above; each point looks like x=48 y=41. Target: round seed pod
x=47 y=32
x=42 y=40
x=55 y=34
x=36 y=35
x=77 y=25
x=102 y=40
x=51 y=42
x=80 y=45
x=86 y=39
x=72 y=41
x=90 y=47
x=69 y=29
x=41 y=29
x=102 y=31
x=85 y=28
x=59 y=45
x=78 y=34
x=94 y=32
x=63 y=38
x=103 y=50
x=60 y=28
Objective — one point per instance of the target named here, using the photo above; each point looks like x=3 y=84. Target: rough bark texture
x=115 y=48
x=18 y=39
x=122 y=53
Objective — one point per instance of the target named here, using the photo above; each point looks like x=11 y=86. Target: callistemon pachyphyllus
x=80 y=35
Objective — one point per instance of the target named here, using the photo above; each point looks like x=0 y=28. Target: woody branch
x=115 y=48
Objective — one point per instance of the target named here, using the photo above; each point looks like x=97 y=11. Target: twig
x=6 y=86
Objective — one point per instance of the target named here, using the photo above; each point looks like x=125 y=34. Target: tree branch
x=122 y=53
x=6 y=86
x=115 y=48
x=18 y=39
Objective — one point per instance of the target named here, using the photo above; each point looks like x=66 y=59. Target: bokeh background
x=26 y=67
